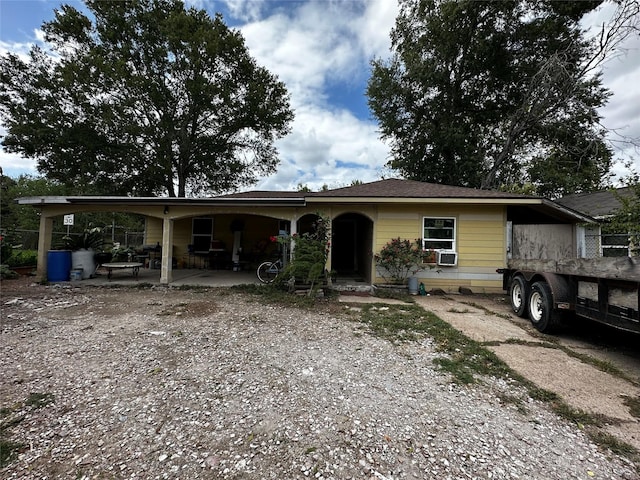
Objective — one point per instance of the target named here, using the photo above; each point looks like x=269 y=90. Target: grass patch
x=465 y=358
x=633 y=404
x=394 y=294
x=193 y=288
x=39 y=400
x=455 y=310
x=467 y=361
x=518 y=402
x=271 y=293
x=602 y=365
x=616 y=446
x=10 y=449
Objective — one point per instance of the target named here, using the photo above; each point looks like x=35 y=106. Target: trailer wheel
x=519 y=296
x=541 y=312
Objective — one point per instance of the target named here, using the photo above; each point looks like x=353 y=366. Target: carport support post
x=166 y=269
x=44 y=245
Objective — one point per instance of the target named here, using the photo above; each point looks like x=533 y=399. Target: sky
x=321 y=50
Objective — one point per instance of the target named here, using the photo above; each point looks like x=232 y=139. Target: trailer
x=606 y=290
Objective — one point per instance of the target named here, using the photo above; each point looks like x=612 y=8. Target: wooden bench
x=135 y=266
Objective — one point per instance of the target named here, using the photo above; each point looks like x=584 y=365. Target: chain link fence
x=607 y=245
x=28 y=239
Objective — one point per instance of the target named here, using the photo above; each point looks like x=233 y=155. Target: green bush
x=6 y=272
x=309 y=257
x=5 y=249
x=399 y=259
x=23 y=258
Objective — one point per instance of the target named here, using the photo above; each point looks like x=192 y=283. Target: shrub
x=5 y=249
x=309 y=255
x=23 y=258
x=91 y=238
x=399 y=259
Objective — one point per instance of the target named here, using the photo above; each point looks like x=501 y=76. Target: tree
x=17 y=221
x=143 y=97
x=489 y=94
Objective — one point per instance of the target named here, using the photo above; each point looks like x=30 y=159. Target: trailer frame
x=605 y=290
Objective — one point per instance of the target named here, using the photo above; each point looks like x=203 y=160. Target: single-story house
x=601 y=206
x=470 y=229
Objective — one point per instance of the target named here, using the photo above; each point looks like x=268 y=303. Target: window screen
x=439 y=233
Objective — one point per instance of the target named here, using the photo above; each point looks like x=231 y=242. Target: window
x=439 y=233
x=202 y=234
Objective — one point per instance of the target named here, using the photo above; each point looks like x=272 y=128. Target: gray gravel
x=169 y=383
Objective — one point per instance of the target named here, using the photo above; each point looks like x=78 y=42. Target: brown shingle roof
x=597 y=204
x=398 y=188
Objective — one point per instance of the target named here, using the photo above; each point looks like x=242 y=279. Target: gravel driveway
x=168 y=383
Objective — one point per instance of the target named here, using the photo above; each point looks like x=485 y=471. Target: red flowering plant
x=399 y=259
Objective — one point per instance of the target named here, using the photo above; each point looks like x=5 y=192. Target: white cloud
x=328 y=148
x=311 y=48
x=621 y=75
x=14 y=165
x=245 y=10
x=374 y=27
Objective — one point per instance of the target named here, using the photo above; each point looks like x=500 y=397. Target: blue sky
x=321 y=49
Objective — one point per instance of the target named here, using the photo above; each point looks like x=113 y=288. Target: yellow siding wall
x=480 y=243
x=153 y=230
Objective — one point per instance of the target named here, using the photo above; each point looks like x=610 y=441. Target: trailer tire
x=541 y=312
x=519 y=296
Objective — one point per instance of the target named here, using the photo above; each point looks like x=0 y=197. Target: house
x=601 y=206
x=470 y=229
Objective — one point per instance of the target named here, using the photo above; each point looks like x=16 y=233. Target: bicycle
x=268 y=271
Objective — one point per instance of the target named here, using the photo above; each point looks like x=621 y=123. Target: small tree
x=399 y=259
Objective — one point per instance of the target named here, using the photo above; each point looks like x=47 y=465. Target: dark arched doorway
x=351 y=243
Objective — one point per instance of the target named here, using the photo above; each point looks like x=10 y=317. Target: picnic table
x=135 y=266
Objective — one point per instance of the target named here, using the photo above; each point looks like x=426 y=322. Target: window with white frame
x=202 y=234
x=439 y=233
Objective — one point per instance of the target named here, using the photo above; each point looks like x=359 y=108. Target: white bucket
x=76 y=274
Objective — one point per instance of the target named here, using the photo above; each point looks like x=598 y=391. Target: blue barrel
x=58 y=265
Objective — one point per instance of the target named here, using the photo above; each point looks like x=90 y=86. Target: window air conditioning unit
x=447 y=258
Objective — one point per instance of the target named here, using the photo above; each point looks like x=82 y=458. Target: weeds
x=39 y=400
x=633 y=404
x=466 y=360
x=8 y=448
x=465 y=357
x=9 y=451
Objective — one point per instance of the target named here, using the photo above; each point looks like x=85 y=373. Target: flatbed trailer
x=606 y=290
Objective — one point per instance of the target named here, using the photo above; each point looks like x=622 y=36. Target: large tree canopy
x=143 y=97
x=492 y=93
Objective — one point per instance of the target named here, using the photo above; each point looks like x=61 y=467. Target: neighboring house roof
x=598 y=205
x=391 y=190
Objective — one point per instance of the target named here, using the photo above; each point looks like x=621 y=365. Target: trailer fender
x=562 y=288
